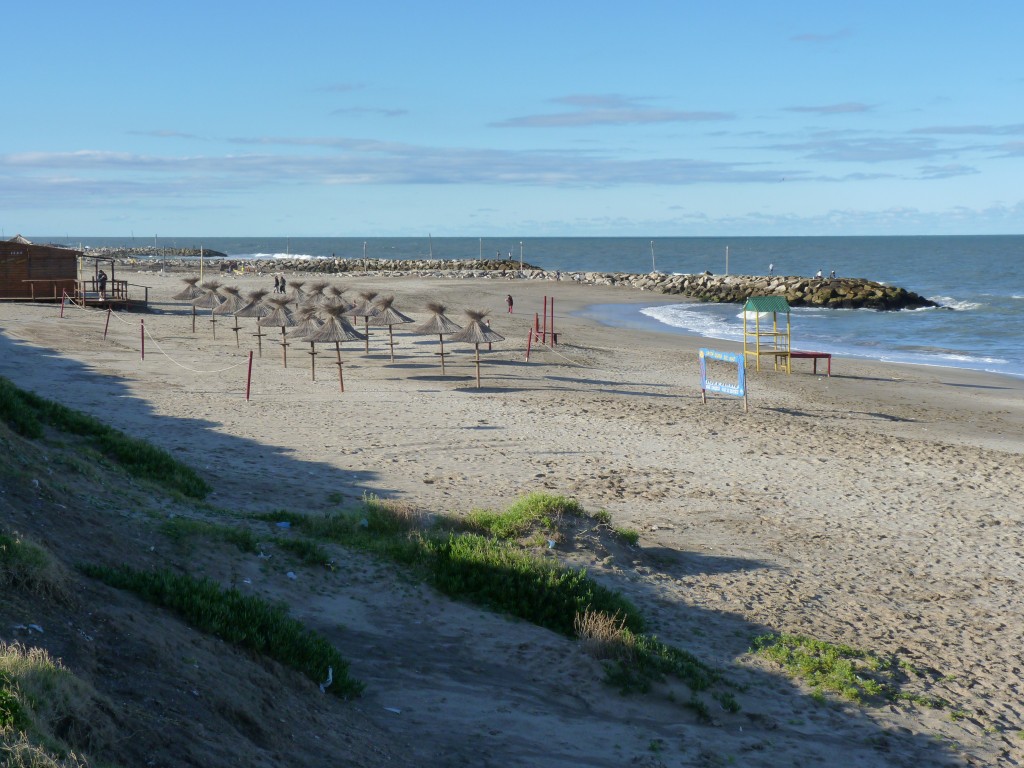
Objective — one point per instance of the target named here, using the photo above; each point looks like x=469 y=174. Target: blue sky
x=512 y=119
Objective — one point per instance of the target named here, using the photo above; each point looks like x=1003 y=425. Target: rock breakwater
x=834 y=293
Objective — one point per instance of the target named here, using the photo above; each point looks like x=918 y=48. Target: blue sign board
x=739 y=389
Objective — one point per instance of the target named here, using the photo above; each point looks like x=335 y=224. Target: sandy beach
x=876 y=507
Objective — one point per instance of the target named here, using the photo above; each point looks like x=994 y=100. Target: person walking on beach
x=508 y=302
x=284 y=284
x=277 y=284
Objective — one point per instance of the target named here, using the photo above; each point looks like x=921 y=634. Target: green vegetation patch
x=247 y=621
x=27 y=414
x=27 y=566
x=856 y=675
x=536 y=510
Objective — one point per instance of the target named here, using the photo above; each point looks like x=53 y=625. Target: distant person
x=771 y=270
x=284 y=284
x=818 y=275
x=277 y=284
x=101 y=279
x=832 y=275
x=508 y=302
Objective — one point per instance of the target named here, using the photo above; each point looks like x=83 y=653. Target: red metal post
x=544 y=331
x=142 y=333
x=552 y=321
x=529 y=340
x=106 y=326
x=64 y=295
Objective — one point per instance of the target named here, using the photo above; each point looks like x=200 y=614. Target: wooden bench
x=815 y=356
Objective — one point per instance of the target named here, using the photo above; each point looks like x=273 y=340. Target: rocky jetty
x=152 y=252
x=834 y=293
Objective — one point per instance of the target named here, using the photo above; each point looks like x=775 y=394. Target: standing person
x=508 y=302
x=771 y=269
x=101 y=278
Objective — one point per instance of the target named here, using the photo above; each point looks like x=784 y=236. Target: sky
x=522 y=119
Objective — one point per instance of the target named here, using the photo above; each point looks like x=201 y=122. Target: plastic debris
x=364 y=523
x=396 y=710
x=551 y=543
x=284 y=524
x=291 y=575
x=330 y=679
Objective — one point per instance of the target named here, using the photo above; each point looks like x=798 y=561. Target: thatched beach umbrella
x=314 y=295
x=438 y=325
x=298 y=295
x=256 y=308
x=209 y=300
x=307 y=324
x=477 y=333
x=280 y=317
x=389 y=316
x=231 y=304
x=190 y=293
x=365 y=309
x=336 y=329
x=333 y=297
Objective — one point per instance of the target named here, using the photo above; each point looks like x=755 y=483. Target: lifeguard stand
x=760 y=339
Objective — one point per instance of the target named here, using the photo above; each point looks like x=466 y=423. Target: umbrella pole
x=391 y=341
x=236 y=329
x=213 y=319
x=193 y=318
x=312 y=359
x=341 y=376
x=259 y=337
x=284 y=347
x=366 y=331
x=440 y=338
x=477 y=345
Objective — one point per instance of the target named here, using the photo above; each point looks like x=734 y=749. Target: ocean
x=978 y=280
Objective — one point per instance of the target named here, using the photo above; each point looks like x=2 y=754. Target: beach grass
x=28 y=414
x=38 y=698
x=490 y=558
x=243 y=620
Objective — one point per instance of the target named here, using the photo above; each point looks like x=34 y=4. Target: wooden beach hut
x=30 y=272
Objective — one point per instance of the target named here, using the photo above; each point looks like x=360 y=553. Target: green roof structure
x=766 y=304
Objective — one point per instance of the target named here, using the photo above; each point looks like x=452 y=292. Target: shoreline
x=873 y=508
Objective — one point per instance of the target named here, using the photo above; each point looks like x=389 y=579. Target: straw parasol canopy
x=307 y=323
x=210 y=300
x=298 y=295
x=476 y=333
x=256 y=308
x=389 y=316
x=314 y=295
x=230 y=305
x=336 y=329
x=439 y=324
x=280 y=317
x=334 y=297
x=365 y=309
x=190 y=293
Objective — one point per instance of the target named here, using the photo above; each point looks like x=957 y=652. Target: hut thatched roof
x=476 y=331
x=439 y=323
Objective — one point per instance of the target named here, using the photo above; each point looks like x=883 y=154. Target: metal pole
x=248 y=378
x=142 y=333
x=107 y=324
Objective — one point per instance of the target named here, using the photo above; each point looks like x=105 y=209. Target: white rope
x=187 y=368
